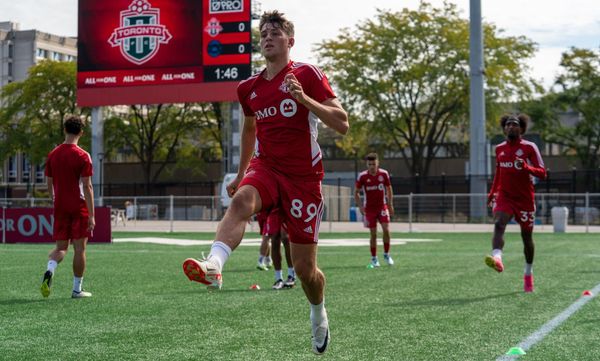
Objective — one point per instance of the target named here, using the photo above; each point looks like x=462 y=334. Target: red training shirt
x=67 y=164
x=286 y=131
x=513 y=182
x=374 y=188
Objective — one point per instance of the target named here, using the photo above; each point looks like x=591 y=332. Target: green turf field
x=439 y=302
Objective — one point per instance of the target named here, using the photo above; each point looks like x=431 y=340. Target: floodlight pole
x=478 y=150
x=97 y=150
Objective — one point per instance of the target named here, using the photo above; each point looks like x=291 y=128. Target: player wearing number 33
x=280 y=164
x=512 y=193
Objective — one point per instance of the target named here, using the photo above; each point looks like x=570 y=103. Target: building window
x=12 y=169
x=10 y=69
x=39 y=174
x=25 y=170
x=41 y=53
x=56 y=56
x=10 y=50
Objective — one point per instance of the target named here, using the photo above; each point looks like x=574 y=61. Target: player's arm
x=88 y=194
x=536 y=166
x=357 y=200
x=390 y=199
x=50 y=183
x=248 y=141
x=330 y=111
x=494 y=190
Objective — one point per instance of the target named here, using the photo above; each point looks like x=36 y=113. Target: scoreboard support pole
x=98 y=152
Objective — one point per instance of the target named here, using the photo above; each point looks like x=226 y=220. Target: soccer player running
x=512 y=193
x=68 y=171
x=378 y=205
x=282 y=105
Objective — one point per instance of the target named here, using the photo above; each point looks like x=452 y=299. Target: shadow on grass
x=17 y=301
x=454 y=301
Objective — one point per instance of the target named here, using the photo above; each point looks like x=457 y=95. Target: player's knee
x=305 y=269
x=500 y=225
x=241 y=206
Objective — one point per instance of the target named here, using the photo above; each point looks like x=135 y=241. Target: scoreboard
x=162 y=51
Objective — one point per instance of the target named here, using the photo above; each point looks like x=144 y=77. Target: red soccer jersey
x=374 y=188
x=67 y=164
x=514 y=182
x=286 y=131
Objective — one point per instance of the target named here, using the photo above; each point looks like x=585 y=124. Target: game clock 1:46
x=226 y=73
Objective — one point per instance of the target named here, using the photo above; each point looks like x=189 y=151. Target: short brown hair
x=371 y=156
x=73 y=125
x=523 y=120
x=275 y=17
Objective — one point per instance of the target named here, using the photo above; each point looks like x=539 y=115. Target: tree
x=34 y=109
x=404 y=76
x=579 y=90
x=162 y=134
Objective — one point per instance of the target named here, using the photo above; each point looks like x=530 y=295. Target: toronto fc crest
x=140 y=34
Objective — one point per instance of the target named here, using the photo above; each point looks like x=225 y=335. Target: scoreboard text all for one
x=161 y=51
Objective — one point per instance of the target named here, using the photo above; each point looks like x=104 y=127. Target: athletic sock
x=317 y=312
x=278 y=275
x=268 y=260
x=261 y=259
x=291 y=272
x=386 y=247
x=77 y=282
x=497 y=253
x=219 y=252
x=528 y=269
x=373 y=251
x=52 y=264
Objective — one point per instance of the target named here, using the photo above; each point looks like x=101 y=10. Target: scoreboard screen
x=161 y=51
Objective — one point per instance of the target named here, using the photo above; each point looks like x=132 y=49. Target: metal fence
x=584 y=208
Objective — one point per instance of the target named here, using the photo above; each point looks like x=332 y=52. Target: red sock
x=386 y=247
x=373 y=251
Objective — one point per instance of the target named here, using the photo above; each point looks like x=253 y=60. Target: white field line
x=543 y=331
x=256 y=241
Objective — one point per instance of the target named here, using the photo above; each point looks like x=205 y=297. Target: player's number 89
x=296 y=210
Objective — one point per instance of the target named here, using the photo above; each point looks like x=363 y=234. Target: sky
x=555 y=25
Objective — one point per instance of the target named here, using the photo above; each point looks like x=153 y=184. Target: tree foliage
x=161 y=134
x=404 y=78
x=33 y=110
x=579 y=90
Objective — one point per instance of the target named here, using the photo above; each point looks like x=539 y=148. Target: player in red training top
x=282 y=106
x=378 y=206
x=265 y=227
x=68 y=171
x=272 y=229
x=512 y=193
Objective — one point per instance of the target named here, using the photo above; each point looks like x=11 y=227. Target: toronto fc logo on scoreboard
x=140 y=34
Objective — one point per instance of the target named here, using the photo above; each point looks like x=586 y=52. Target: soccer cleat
x=81 y=294
x=388 y=259
x=278 y=285
x=262 y=267
x=320 y=337
x=268 y=263
x=290 y=282
x=528 y=283
x=495 y=263
x=375 y=262
x=204 y=271
x=46 y=284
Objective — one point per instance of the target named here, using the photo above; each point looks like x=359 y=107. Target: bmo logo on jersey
x=287 y=108
x=515 y=165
